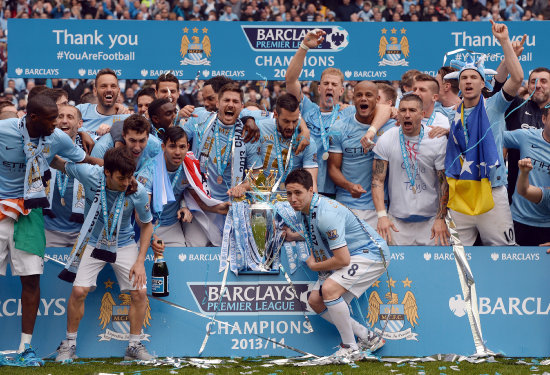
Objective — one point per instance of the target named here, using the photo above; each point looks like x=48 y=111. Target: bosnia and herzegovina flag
x=469 y=160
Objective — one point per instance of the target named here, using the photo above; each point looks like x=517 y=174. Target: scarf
x=106 y=245
x=37 y=171
x=238 y=149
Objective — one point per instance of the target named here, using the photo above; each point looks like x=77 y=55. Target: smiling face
x=230 y=107
x=69 y=120
x=135 y=142
x=540 y=81
x=106 y=89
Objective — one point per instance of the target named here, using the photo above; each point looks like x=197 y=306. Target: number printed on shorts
x=353 y=269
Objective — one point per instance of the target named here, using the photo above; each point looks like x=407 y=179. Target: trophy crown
x=260 y=182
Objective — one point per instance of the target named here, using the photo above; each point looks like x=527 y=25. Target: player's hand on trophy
x=383 y=228
x=237 y=191
x=440 y=232
x=314 y=38
x=157 y=245
x=184 y=215
x=103 y=129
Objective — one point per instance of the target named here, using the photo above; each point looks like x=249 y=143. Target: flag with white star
x=471 y=154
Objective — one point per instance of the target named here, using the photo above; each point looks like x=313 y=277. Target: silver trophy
x=266 y=233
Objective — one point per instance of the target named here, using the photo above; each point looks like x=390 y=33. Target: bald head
x=365 y=96
x=366 y=85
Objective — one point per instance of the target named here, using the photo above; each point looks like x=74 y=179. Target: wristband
x=381 y=213
x=183 y=204
x=304 y=47
x=373 y=129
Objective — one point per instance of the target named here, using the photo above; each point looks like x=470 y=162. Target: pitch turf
x=253 y=367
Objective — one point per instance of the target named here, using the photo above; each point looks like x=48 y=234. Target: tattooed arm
x=439 y=230
x=380 y=168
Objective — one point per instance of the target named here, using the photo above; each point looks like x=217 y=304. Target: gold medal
x=220 y=179
x=62 y=201
x=325 y=155
x=414 y=190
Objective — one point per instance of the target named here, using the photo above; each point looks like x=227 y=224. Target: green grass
x=113 y=366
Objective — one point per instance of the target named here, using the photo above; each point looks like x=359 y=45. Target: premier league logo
x=392 y=316
x=394 y=52
x=114 y=318
x=192 y=52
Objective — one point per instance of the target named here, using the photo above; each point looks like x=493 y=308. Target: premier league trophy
x=253 y=233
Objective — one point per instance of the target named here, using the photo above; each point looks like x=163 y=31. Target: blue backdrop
x=511 y=283
x=252 y=51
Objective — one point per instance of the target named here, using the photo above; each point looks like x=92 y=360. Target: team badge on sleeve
x=332 y=234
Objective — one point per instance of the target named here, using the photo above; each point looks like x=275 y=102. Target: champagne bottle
x=159 y=284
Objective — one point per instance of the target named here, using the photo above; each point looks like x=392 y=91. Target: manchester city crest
x=114 y=319
x=390 y=319
x=195 y=51
x=395 y=51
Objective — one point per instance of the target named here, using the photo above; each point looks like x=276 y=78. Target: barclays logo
x=502 y=306
x=494 y=256
x=288 y=37
x=457 y=305
x=427 y=256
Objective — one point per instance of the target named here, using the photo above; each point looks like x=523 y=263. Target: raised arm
x=500 y=31
x=524 y=188
x=313 y=39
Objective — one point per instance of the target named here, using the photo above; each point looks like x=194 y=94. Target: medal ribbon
x=324 y=129
x=62 y=181
x=406 y=160
x=282 y=169
x=222 y=164
x=119 y=202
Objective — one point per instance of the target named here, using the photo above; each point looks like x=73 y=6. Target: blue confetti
x=442 y=368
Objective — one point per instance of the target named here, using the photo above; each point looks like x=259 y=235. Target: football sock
x=339 y=314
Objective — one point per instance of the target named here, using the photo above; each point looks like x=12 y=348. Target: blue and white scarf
x=107 y=243
x=37 y=172
x=296 y=251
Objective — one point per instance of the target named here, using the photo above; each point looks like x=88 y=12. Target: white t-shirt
x=439 y=120
x=404 y=204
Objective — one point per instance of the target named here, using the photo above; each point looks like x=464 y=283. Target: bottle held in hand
x=159 y=284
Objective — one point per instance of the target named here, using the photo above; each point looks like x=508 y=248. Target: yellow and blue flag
x=471 y=153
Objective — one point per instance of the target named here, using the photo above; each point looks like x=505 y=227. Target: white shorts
x=194 y=234
x=412 y=233
x=56 y=238
x=171 y=235
x=89 y=268
x=22 y=263
x=369 y=216
x=495 y=227
x=358 y=276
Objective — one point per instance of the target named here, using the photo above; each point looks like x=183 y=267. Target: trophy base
x=250 y=272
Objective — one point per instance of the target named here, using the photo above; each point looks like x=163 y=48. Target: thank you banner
x=252 y=50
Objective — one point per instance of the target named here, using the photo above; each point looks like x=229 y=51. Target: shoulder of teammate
x=102 y=145
x=141 y=203
x=145 y=177
x=87 y=174
x=85 y=108
x=381 y=147
x=266 y=126
x=514 y=138
x=306 y=105
x=64 y=146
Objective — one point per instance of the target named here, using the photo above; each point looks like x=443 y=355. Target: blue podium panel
x=419 y=309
